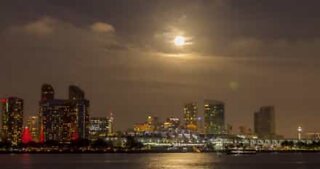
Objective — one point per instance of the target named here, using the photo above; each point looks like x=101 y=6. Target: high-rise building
x=190 y=116
x=12 y=119
x=214 y=117
x=79 y=108
x=33 y=126
x=56 y=120
x=61 y=120
x=99 y=128
x=264 y=122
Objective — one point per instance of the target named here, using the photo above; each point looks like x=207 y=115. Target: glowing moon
x=179 y=41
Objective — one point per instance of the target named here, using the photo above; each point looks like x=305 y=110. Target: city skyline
x=200 y=110
x=56 y=114
x=141 y=57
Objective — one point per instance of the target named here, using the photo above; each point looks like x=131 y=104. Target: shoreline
x=147 y=152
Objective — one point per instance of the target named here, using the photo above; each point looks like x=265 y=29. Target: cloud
x=48 y=25
x=43 y=26
x=102 y=27
x=52 y=32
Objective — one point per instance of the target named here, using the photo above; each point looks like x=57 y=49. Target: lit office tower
x=99 y=128
x=33 y=126
x=55 y=120
x=214 y=117
x=190 y=116
x=47 y=94
x=79 y=110
x=50 y=114
x=64 y=120
x=12 y=119
x=264 y=122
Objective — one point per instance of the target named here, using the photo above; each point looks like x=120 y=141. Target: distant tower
x=214 y=117
x=264 y=122
x=47 y=95
x=299 y=132
x=12 y=119
x=53 y=117
x=79 y=110
x=190 y=116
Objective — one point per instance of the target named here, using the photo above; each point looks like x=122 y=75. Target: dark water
x=160 y=161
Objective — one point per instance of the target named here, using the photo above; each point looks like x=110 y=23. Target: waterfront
x=161 y=161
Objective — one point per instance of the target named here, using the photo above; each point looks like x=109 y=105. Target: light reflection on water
x=183 y=161
x=159 y=161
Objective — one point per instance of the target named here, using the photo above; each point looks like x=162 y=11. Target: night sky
x=247 y=53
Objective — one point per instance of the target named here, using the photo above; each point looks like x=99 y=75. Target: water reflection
x=181 y=161
x=159 y=161
x=26 y=161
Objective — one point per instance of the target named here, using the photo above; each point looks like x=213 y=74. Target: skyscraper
x=214 y=117
x=12 y=119
x=79 y=110
x=56 y=121
x=190 y=116
x=264 y=122
x=62 y=119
